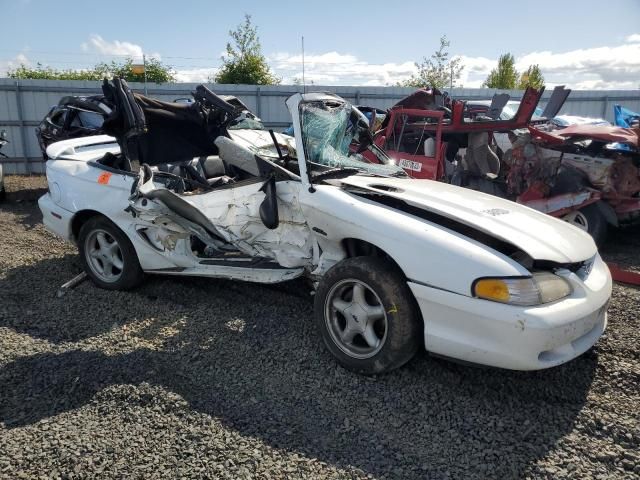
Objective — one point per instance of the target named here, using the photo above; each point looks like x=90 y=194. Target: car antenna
x=304 y=84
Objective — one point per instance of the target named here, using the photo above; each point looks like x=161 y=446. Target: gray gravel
x=196 y=378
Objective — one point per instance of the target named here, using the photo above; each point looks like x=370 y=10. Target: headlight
x=541 y=287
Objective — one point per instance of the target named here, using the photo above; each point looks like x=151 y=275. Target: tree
x=437 y=71
x=244 y=62
x=505 y=75
x=157 y=72
x=531 y=77
x=43 y=72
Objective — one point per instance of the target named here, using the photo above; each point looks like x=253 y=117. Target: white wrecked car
x=398 y=263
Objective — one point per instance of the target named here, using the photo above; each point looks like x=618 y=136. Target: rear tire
x=367 y=315
x=108 y=255
x=591 y=220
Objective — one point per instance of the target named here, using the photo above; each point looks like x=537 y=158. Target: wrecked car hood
x=541 y=236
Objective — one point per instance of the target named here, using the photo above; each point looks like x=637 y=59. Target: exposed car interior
x=186 y=145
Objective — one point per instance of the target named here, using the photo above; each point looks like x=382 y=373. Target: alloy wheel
x=356 y=319
x=104 y=256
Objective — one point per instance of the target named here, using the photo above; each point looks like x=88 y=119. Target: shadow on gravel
x=24 y=196
x=249 y=356
x=622 y=246
x=29 y=303
x=27 y=212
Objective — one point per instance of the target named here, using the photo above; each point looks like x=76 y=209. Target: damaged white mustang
x=397 y=263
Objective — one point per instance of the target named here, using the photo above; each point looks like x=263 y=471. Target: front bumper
x=518 y=338
x=56 y=219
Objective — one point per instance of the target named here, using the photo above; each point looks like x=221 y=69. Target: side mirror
x=3 y=134
x=269 y=206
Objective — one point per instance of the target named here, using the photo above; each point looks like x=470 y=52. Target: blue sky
x=583 y=43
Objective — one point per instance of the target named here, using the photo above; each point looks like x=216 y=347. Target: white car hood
x=541 y=236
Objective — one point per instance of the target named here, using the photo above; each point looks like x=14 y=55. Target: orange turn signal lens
x=492 y=289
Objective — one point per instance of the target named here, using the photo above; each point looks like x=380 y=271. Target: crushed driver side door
x=227 y=221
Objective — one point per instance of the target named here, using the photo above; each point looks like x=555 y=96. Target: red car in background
x=434 y=137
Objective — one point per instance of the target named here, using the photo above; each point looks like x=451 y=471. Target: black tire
x=591 y=219
x=402 y=333
x=129 y=275
x=3 y=195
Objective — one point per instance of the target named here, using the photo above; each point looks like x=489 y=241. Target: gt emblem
x=494 y=212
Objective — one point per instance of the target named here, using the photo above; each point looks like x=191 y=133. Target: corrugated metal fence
x=24 y=103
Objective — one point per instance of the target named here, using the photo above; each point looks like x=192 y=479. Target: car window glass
x=76 y=121
x=90 y=119
x=59 y=117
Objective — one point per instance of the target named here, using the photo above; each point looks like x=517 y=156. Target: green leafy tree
x=44 y=72
x=157 y=72
x=437 y=71
x=244 y=62
x=505 y=75
x=531 y=77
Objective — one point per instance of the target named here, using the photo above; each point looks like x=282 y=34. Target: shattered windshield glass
x=246 y=121
x=331 y=133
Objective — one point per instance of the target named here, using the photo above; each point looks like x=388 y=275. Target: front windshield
x=331 y=133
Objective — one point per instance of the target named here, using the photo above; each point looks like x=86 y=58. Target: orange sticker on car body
x=104 y=178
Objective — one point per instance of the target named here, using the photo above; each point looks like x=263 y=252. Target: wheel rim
x=577 y=219
x=104 y=256
x=355 y=318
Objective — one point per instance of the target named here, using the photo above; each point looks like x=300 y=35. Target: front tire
x=367 y=315
x=108 y=256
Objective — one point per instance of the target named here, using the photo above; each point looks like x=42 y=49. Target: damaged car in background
x=576 y=173
x=72 y=117
x=397 y=264
x=598 y=163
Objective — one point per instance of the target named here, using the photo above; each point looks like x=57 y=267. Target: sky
x=584 y=44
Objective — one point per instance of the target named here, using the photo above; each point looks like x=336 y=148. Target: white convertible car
x=201 y=189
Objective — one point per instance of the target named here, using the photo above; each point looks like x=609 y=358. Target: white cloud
x=475 y=70
x=333 y=68
x=101 y=46
x=195 y=75
x=602 y=67
x=607 y=67
x=12 y=63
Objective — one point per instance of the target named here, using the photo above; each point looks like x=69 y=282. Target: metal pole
x=23 y=133
x=144 y=65
x=258 y=102
x=304 y=84
x=451 y=79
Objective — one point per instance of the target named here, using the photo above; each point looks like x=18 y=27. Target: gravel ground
x=196 y=378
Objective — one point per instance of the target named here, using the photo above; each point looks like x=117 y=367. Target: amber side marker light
x=540 y=288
